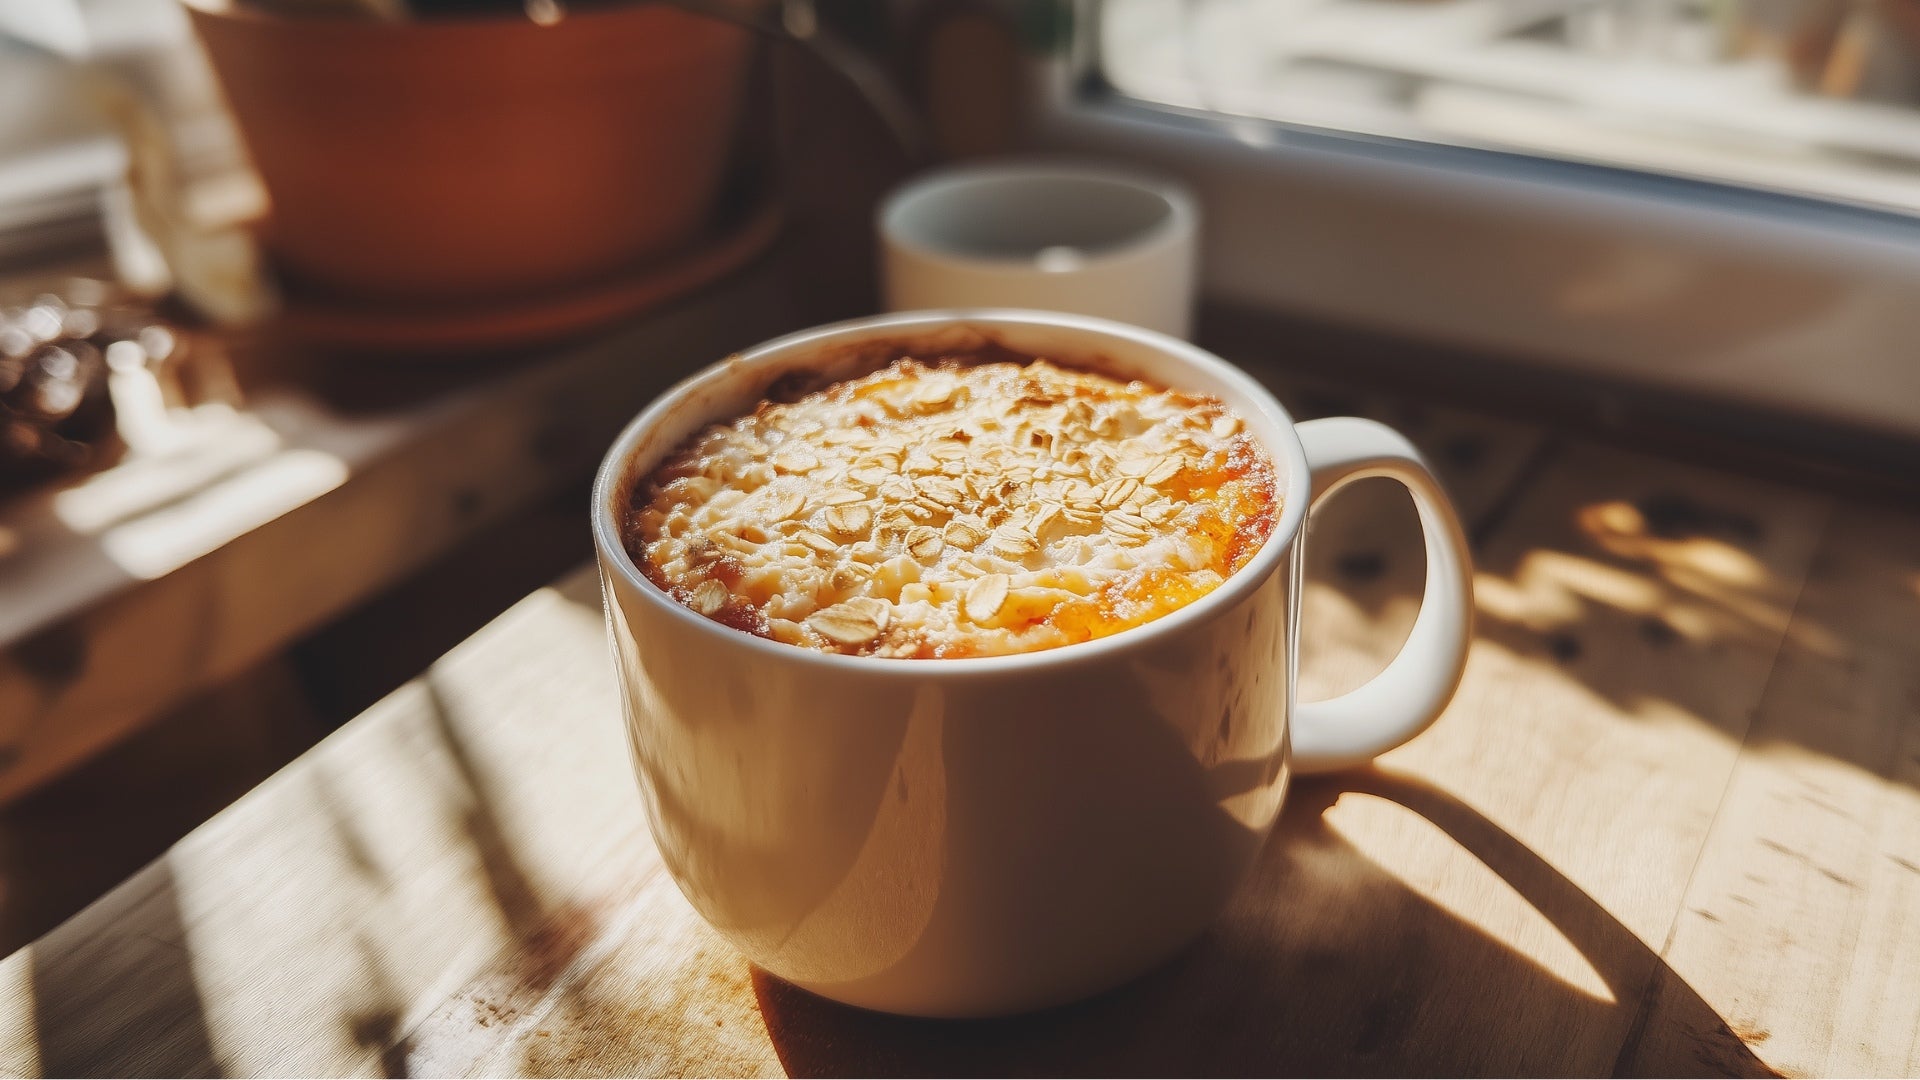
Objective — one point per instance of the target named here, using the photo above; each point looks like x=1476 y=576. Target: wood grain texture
x=1365 y=560
x=346 y=898
x=1668 y=658
x=1802 y=922
x=1596 y=735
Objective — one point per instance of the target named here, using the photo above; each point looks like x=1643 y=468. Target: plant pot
x=461 y=159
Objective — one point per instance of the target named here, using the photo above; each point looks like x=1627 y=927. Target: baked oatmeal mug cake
x=957 y=648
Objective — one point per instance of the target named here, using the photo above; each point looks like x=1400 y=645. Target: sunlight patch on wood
x=160 y=542
x=211 y=443
x=392 y=932
x=554 y=603
x=1550 y=586
x=19 y=1034
x=1433 y=865
x=1342 y=644
x=1551 y=589
x=1621 y=529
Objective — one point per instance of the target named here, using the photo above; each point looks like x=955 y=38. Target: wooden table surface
x=1670 y=825
x=124 y=591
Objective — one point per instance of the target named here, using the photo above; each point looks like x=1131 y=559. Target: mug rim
x=612 y=551
x=1182 y=215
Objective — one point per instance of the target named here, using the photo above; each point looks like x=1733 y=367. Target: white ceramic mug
x=1061 y=237
x=989 y=835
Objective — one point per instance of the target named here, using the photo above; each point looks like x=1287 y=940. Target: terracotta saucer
x=442 y=332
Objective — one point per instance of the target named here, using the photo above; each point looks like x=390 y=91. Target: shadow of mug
x=1284 y=985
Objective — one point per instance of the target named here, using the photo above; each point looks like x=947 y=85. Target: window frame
x=1770 y=299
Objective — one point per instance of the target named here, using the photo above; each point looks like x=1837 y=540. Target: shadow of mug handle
x=1406 y=697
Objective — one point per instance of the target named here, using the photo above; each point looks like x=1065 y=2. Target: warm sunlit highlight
x=1621 y=529
x=1434 y=865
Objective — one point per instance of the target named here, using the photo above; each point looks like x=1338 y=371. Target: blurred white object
x=84 y=28
x=206 y=253
x=1076 y=238
x=328 y=9
x=173 y=190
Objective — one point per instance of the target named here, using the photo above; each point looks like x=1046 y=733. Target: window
x=1719 y=198
x=1820 y=97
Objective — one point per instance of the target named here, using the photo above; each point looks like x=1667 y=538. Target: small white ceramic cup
x=991 y=835
x=1060 y=237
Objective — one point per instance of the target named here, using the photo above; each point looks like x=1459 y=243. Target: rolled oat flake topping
x=954 y=508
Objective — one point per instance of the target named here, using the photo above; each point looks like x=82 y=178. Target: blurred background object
x=1804 y=96
x=53 y=388
x=91 y=371
x=481 y=156
x=1084 y=239
x=122 y=136
x=1698 y=207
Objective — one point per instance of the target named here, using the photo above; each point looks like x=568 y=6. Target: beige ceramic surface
x=981 y=836
x=1081 y=238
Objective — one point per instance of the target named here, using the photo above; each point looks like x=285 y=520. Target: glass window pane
x=1816 y=97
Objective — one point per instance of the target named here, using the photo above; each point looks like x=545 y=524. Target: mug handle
x=1403 y=700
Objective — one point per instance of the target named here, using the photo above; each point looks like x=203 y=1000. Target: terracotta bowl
x=461 y=159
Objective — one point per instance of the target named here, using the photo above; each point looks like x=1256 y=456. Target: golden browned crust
x=955 y=508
